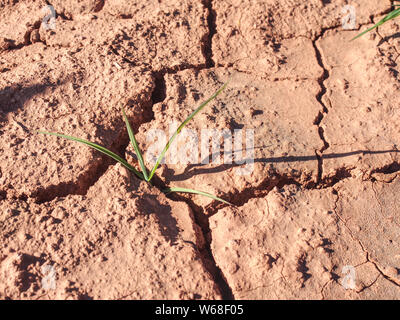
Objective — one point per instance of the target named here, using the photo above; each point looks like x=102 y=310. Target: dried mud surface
x=322 y=193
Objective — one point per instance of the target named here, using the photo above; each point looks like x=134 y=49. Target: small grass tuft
x=144 y=174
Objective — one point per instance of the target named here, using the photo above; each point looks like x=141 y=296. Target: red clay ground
x=323 y=193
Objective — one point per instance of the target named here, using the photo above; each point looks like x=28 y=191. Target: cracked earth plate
x=304 y=244
x=361 y=100
x=134 y=244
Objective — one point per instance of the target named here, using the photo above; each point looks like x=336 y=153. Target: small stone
x=35 y=36
x=5 y=44
x=8 y=212
x=232 y=268
x=37 y=57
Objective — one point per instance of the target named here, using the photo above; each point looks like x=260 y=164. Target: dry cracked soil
x=315 y=216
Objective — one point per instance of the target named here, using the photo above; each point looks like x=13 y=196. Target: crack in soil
x=206 y=254
x=346 y=173
x=206 y=46
x=239 y=199
x=388 y=278
x=389 y=169
x=160 y=90
x=323 y=90
x=342 y=173
x=200 y=218
x=369 y=285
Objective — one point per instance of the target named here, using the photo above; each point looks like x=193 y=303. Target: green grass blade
x=135 y=145
x=395 y=13
x=98 y=148
x=161 y=156
x=196 y=192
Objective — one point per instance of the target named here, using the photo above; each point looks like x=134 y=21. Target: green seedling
x=144 y=174
x=393 y=14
